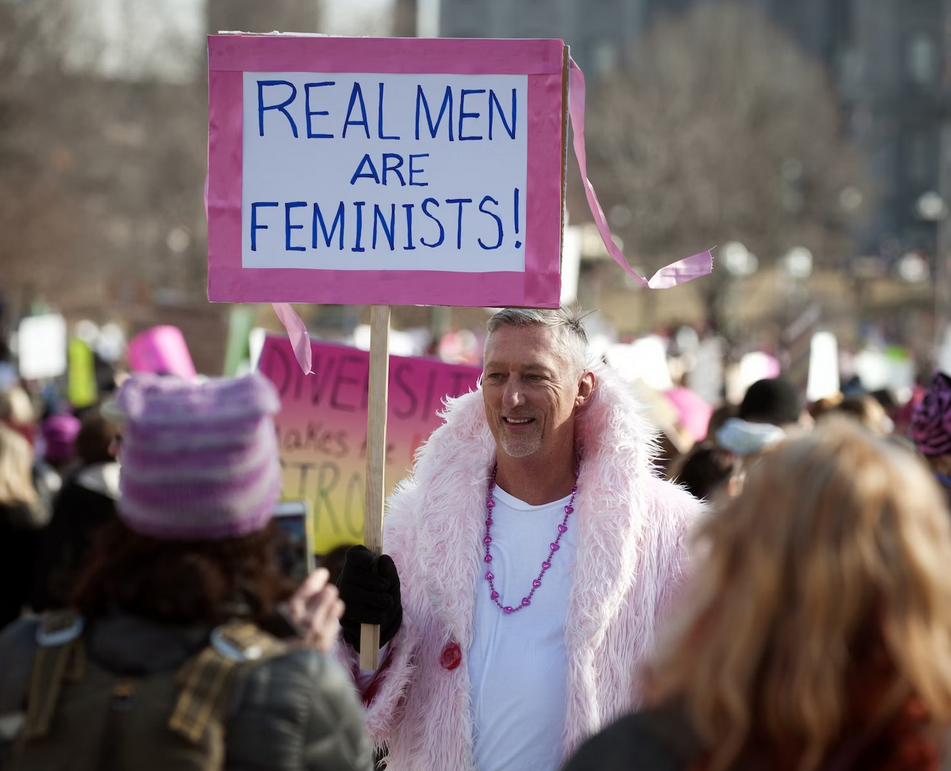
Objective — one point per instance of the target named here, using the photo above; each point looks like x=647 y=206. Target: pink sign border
x=229 y=56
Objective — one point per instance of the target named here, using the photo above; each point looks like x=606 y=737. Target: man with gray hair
x=529 y=560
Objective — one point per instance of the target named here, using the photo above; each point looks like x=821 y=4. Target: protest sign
x=797 y=338
x=386 y=171
x=82 y=389
x=322 y=426
x=161 y=349
x=823 y=381
x=41 y=343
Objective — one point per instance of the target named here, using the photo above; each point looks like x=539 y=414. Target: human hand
x=316 y=608
x=371 y=597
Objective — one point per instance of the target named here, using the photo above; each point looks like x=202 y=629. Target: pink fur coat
x=631 y=561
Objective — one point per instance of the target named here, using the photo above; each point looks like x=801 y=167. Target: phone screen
x=294 y=547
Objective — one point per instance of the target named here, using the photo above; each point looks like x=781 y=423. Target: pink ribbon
x=676 y=273
x=297 y=334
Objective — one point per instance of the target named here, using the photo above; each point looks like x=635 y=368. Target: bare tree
x=100 y=169
x=722 y=129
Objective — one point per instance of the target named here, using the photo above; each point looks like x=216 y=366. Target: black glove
x=370 y=597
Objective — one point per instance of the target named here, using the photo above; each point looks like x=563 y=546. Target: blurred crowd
x=731 y=438
x=136 y=542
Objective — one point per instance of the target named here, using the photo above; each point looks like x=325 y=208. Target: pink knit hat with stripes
x=199 y=460
x=931 y=420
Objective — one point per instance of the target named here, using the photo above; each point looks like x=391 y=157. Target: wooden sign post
x=376 y=461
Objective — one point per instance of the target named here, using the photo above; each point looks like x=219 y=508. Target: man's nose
x=512 y=396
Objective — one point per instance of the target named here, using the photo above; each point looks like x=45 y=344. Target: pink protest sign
x=322 y=426
x=385 y=171
x=161 y=349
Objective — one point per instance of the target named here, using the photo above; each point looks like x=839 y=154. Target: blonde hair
x=16 y=469
x=16 y=407
x=836 y=538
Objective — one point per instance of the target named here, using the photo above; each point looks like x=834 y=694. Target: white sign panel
x=41 y=342
x=384 y=171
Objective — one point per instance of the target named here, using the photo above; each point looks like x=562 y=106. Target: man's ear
x=585 y=390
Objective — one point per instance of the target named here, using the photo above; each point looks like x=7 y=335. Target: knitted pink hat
x=199 y=460
x=59 y=434
x=931 y=420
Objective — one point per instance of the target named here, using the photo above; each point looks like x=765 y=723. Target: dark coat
x=662 y=739
x=654 y=740
x=86 y=502
x=19 y=541
x=295 y=712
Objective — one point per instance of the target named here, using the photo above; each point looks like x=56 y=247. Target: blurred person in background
x=902 y=415
x=825 y=406
x=86 y=503
x=710 y=473
x=59 y=441
x=818 y=633
x=694 y=412
x=930 y=430
x=718 y=417
x=21 y=516
x=170 y=664
x=868 y=411
x=674 y=440
x=775 y=401
x=770 y=409
x=59 y=453
x=17 y=412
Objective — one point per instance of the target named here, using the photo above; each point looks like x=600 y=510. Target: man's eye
x=494 y=376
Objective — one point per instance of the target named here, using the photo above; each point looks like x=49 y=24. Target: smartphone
x=295 y=545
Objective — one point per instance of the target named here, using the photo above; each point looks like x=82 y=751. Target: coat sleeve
x=383 y=691
x=297 y=712
x=630 y=743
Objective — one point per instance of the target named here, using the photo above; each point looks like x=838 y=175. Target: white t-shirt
x=518 y=666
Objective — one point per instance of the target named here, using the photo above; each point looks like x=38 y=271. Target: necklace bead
x=553 y=547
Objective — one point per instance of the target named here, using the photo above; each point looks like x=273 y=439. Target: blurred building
x=596 y=30
x=888 y=59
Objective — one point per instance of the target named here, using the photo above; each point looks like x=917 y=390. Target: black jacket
x=659 y=739
x=86 y=502
x=662 y=739
x=295 y=712
x=19 y=541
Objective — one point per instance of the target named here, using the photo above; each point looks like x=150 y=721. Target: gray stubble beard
x=521 y=448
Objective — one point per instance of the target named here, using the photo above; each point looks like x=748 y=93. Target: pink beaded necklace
x=553 y=547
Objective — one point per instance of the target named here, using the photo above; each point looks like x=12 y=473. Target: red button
x=451 y=656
